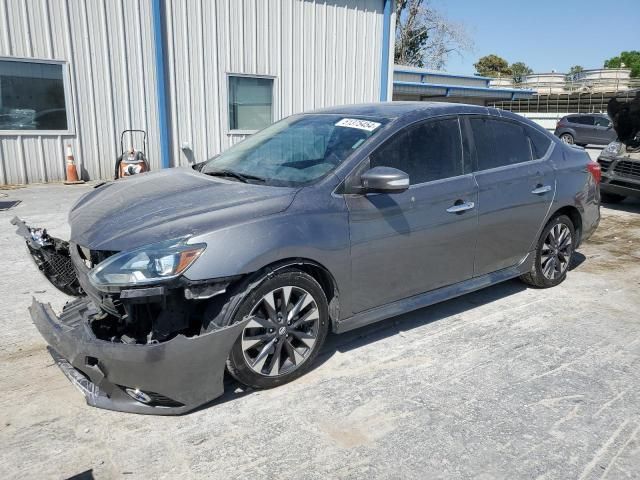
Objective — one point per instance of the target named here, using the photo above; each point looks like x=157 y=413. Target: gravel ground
x=509 y=382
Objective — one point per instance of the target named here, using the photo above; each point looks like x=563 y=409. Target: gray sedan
x=325 y=221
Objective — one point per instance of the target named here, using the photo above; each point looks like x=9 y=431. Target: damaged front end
x=150 y=349
x=620 y=160
x=51 y=256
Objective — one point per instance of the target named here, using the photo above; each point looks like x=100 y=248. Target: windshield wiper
x=243 y=177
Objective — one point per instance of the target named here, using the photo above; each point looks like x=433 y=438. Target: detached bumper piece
x=51 y=256
x=169 y=378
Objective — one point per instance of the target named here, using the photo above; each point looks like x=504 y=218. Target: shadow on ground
x=392 y=326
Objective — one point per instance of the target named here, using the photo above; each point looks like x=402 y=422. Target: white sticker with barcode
x=366 y=125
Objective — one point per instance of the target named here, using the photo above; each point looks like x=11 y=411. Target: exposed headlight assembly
x=613 y=148
x=146 y=265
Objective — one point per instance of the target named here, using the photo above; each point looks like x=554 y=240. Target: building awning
x=447 y=90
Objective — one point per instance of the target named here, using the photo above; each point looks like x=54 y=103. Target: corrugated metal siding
x=108 y=45
x=320 y=53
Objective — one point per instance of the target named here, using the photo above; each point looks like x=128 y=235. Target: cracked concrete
x=509 y=382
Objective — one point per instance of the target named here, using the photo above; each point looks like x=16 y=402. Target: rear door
x=408 y=243
x=516 y=187
x=586 y=129
x=603 y=131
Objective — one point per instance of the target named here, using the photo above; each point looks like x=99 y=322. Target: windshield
x=294 y=151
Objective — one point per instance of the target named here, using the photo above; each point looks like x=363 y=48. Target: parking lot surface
x=509 y=382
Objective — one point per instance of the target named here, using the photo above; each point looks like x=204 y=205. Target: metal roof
x=455 y=88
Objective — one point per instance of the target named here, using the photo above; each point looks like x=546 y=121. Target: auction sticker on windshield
x=366 y=125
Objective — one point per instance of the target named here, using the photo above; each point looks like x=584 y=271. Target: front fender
x=314 y=229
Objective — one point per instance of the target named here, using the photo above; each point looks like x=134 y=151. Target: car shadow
x=630 y=205
x=576 y=260
x=376 y=332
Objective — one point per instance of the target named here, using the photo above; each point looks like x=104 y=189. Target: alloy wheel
x=556 y=251
x=566 y=138
x=282 y=331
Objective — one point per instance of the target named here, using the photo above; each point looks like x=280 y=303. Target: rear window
x=582 y=120
x=539 y=142
x=499 y=143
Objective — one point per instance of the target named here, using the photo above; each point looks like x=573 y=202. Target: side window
x=577 y=120
x=587 y=120
x=499 y=143
x=32 y=96
x=427 y=152
x=602 y=121
x=250 y=102
x=539 y=142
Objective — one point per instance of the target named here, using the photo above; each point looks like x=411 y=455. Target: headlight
x=145 y=265
x=613 y=148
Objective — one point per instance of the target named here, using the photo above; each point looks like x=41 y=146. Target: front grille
x=604 y=164
x=627 y=168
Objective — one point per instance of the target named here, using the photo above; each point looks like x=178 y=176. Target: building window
x=32 y=96
x=250 y=103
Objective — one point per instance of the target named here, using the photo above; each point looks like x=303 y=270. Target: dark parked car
x=620 y=160
x=595 y=129
x=325 y=221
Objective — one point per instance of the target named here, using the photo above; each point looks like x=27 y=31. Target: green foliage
x=630 y=59
x=575 y=70
x=519 y=70
x=492 y=66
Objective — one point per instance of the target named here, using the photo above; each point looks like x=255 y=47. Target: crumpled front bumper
x=175 y=376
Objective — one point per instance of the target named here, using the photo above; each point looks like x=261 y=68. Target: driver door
x=404 y=244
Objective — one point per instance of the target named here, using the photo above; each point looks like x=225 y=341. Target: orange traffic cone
x=72 y=173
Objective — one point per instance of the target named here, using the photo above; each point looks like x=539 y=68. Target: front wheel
x=553 y=253
x=289 y=323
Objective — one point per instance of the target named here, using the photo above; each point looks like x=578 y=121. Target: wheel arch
x=574 y=215
x=316 y=270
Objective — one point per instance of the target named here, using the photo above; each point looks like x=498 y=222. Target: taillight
x=558 y=124
x=595 y=170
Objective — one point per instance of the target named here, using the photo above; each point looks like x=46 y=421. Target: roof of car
x=398 y=109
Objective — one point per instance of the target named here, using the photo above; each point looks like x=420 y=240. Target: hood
x=170 y=203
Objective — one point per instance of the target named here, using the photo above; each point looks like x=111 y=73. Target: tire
x=544 y=274
x=274 y=349
x=567 y=138
x=611 y=197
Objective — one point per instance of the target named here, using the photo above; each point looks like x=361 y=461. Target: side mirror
x=384 y=180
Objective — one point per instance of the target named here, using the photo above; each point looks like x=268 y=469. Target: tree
x=424 y=38
x=519 y=70
x=573 y=72
x=630 y=60
x=492 y=66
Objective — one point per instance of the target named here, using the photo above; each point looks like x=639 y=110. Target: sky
x=546 y=35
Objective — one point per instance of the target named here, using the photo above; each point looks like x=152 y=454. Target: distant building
x=198 y=76
x=411 y=83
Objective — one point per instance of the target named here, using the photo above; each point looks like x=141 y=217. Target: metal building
x=197 y=75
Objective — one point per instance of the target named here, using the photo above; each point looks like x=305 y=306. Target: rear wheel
x=553 y=253
x=567 y=138
x=611 y=197
x=290 y=321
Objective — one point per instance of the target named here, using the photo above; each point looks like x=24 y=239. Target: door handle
x=461 y=207
x=541 y=189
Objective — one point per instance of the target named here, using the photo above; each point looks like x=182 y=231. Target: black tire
x=611 y=197
x=238 y=364
x=537 y=277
